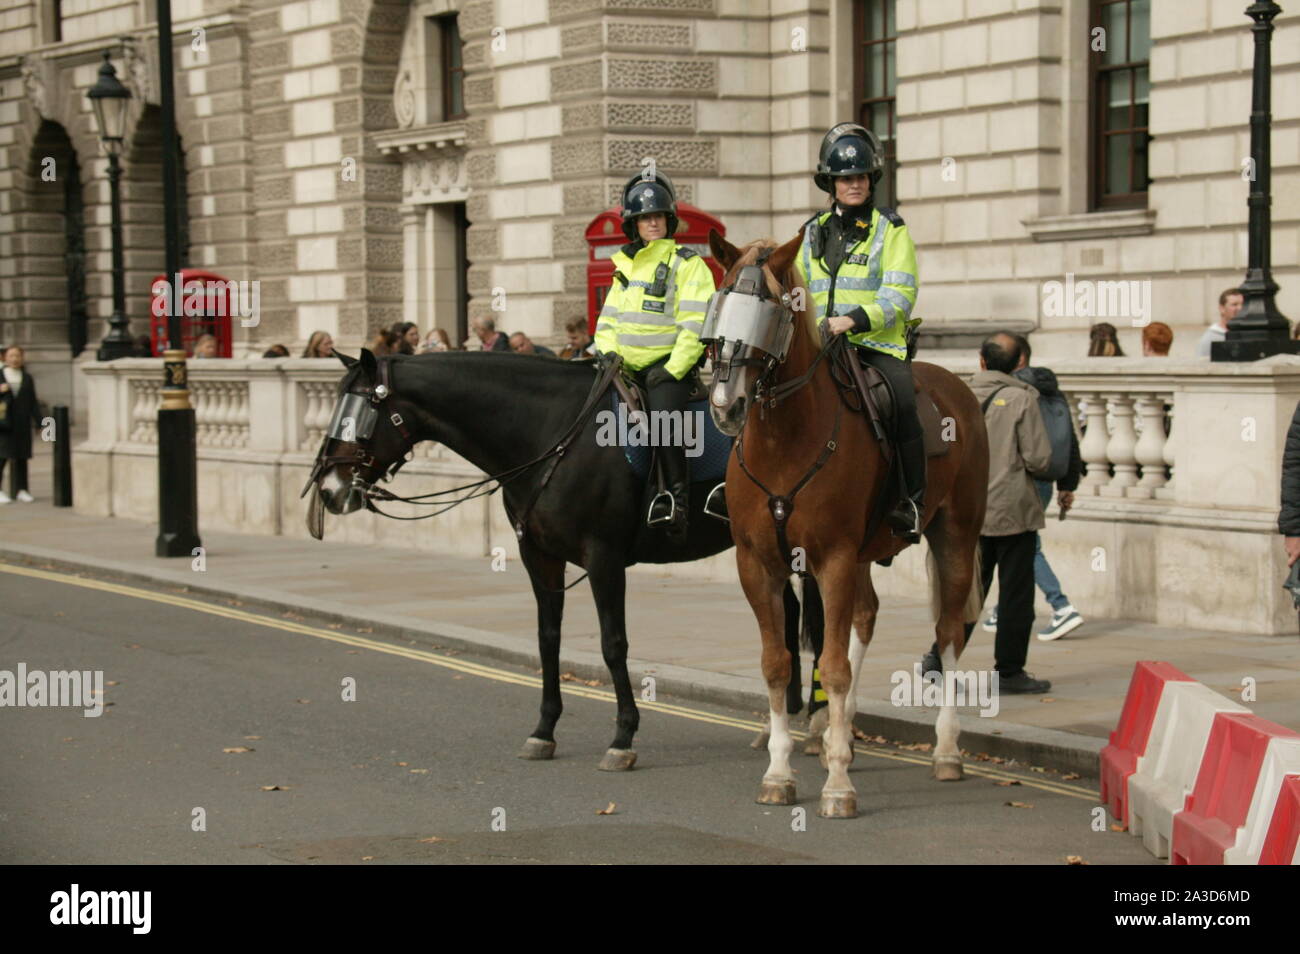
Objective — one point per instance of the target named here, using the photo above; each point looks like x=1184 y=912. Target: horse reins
x=555 y=454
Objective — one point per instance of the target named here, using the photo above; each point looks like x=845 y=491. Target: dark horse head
x=368 y=436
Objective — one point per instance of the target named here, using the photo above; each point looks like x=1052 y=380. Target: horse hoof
x=618 y=760
x=537 y=750
x=760 y=740
x=839 y=805
x=813 y=746
x=776 y=793
x=949 y=771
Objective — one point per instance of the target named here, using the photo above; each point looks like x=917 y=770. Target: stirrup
x=912 y=533
x=719 y=492
x=672 y=510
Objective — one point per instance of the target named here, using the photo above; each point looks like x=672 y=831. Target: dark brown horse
x=828 y=520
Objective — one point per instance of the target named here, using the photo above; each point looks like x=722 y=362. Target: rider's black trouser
x=670 y=395
x=899 y=375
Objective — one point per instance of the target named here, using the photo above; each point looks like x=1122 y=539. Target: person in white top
x=1230 y=302
x=19 y=411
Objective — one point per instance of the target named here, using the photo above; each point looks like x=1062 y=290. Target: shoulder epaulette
x=684 y=252
x=890 y=214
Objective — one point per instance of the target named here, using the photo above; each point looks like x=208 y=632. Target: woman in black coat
x=21 y=412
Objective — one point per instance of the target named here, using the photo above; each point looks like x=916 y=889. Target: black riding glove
x=860 y=320
x=659 y=375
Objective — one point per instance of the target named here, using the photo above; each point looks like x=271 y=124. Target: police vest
x=655 y=307
x=878 y=275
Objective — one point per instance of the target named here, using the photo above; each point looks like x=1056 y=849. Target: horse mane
x=777 y=284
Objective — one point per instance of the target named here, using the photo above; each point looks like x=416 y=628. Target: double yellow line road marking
x=502 y=675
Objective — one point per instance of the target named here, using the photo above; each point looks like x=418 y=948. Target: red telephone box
x=605 y=236
x=209 y=292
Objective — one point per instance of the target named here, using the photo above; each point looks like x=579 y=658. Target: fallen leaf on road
x=1037 y=768
x=1018 y=805
x=1119 y=827
x=335 y=626
x=274 y=788
x=367 y=857
x=1047 y=699
x=431 y=840
x=303 y=701
x=1070 y=775
x=252 y=738
x=132 y=645
x=1075 y=860
x=419 y=771
x=111 y=682
x=236 y=749
x=607 y=810
x=365 y=629
x=69 y=739
x=403 y=764
x=60 y=614
x=1014 y=781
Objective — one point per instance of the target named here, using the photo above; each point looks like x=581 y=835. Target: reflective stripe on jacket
x=645 y=328
x=878 y=275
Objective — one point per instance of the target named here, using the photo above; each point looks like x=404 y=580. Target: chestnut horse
x=830 y=517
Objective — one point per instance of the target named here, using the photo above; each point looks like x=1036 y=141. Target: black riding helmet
x=848 y=150
x=643 y=196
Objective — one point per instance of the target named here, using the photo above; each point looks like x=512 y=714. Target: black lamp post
x=1259 y=330
x=111 y=100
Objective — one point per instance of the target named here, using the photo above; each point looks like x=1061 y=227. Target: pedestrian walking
x=20 y=411
x=1018 y=447
x=1066 y=469
x=1288 y=520
x=1157 y=338
x=1103 y=341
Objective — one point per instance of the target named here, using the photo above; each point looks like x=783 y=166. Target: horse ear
x=783 y=256
x=347 y=362
x=368 y=363
x=724 y=252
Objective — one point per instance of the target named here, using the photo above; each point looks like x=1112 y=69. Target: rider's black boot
x=905 y=518
x=677 y=479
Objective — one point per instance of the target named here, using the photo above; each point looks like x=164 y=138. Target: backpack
x=1056 y=419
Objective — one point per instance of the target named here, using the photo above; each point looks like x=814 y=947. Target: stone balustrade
x=1174 y=520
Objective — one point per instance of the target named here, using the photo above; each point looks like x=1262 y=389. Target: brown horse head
x=739 y=365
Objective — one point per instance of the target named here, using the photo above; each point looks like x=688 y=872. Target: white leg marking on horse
x=857 y=650
x=948 y=726
x=779 y=745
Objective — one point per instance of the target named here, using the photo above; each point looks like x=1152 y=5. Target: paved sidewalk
x=699 y=639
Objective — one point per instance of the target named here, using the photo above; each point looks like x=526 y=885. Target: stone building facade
x=325 y=158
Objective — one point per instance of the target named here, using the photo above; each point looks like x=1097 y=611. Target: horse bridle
x=739 y=316
x=352 y=425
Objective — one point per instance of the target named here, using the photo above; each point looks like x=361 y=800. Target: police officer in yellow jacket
x=860 y=267
x=653 y=317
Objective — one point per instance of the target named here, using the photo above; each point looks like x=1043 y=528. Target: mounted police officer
x=653 y=317
x=860 y=266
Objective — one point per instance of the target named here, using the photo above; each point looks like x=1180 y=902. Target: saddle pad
x=710 y=466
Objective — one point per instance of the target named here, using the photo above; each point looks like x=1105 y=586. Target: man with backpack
x=1018 y=447
x=1065 y=471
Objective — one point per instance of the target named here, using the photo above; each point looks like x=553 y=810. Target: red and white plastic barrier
x=1199 y=777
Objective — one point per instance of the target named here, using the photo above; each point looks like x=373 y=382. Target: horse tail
x=974 y=604
x=975 y=599
x=801 y=613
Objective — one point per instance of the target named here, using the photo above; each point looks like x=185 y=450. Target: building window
x=874 y=33
x=453 y=71
x=1120 y=45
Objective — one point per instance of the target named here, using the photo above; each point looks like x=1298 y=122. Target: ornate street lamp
x=111 y=100
x=1259 y=330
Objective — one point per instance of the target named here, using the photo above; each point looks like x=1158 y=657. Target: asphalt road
x=421 y=767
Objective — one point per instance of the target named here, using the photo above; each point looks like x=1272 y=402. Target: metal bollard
x=62 y=457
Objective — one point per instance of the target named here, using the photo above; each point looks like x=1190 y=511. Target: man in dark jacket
x=22 y=411
x=1065 y=618
x=1288 y=521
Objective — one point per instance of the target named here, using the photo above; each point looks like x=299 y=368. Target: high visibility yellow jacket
x=658 y=309
x=878 y=274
